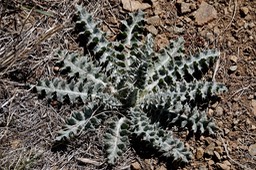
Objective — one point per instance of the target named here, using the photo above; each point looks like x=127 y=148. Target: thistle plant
x=136 y=91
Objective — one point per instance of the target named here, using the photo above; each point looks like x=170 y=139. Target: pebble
x=211 y=162
x=219 y=111
x=135 y=166
x=244 y=11
x=199 y=153
x=218 y=143
x=161 y=168
x=185 y=8
x=131 y=5
x=217 y=156
x=152 y=29
x=203 y=168
x=209 y=149
x=254 y=107
x=219 y=149
x=226 y=163
x=208 y=140
x=210 y=112
x=233 y=59
x=252 y=150
x=155 y=20
x=233 y=68
x=222 y=166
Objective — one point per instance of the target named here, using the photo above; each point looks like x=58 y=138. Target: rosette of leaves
x=132 y=89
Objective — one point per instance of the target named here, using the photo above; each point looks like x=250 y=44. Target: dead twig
x=229 y=157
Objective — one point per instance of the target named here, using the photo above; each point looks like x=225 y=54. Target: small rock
x=210 y=112
x=112 y=20
x=209 y=149
x=240 y=23
x=251 y=25
x=152 y=29
x=215 y=105
x=15 y=143
x=208 y=140
x=161 y=41
x=203 y=168
x=217 y=156
x=233 y=68
x=252 y=150
x=211 y=162
x=254 y=107
x=155 y=20
x=218 y=143
x=244 y=11
x=226 y=131
x=199 y=153
x=219 y=111
x=233 y=59
x=161 y=168
x=135 y=166
x=226 y=163
x=156 y=7
x=132 y=5
x=220 y=124
x=250 y=97
x=222 y=166
x=219 y=149
x=178 y=30
x=184 y=8
x=193 y=7
x=205 y=14
x=56 y=68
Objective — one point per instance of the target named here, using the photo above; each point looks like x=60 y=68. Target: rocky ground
x=31 y=30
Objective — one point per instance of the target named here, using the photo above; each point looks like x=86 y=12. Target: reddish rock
x=132 y=5
x=205 y=14
x=155 y=20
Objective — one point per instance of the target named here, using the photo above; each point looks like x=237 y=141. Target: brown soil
x=30 y=31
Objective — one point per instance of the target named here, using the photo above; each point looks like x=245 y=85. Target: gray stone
x=252 y=150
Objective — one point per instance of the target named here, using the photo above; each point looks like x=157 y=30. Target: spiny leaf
x=116 y=139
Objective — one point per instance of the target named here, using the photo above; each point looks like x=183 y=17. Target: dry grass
x=30 y=32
